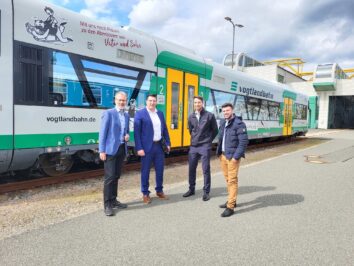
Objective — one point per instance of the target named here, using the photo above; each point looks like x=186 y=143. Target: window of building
x=281 y=78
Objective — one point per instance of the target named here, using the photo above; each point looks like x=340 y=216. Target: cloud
x=152 y=13
x=100 y=10
x=318 y=31
x=98 y=6
x=319 y=11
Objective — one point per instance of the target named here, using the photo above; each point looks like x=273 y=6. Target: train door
x=287 y=112
x=181 y=87
x=190 y=89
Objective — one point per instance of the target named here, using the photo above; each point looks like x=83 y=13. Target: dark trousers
x=156 y=156
x=195 y=153
x=112 y=171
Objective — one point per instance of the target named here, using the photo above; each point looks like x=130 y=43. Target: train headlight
x=67 y=140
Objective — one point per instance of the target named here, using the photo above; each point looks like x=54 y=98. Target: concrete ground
x=290 y=212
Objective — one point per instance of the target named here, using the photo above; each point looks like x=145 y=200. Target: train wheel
x=55 y=164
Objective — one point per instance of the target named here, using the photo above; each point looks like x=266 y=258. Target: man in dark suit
x=203 y=129
x=150 y=134
x=232 y=145
x=113 y=137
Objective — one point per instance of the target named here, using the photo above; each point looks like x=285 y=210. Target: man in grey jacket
x=203 y=129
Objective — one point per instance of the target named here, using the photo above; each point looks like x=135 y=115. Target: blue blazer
x=144 y=130
x=110 y=130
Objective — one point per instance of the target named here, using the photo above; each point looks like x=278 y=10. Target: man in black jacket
x=232 y=145
x=203 y=129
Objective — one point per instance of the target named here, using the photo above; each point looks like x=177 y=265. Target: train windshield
x=86 y=82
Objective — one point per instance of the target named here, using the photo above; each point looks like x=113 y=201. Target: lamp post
x=233 y=38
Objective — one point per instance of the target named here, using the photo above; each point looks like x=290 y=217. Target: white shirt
x=197 y=114
x=156 y=123
x=223 y=138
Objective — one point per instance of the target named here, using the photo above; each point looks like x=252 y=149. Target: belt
x=158 y=141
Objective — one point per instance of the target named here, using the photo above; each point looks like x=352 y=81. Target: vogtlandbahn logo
x=234 y=86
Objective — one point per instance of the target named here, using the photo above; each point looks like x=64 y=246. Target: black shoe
x=224 y=206
x=108 y=211
x=118 y=205
x=228 y=212
x=206 y=197
x=188 y=193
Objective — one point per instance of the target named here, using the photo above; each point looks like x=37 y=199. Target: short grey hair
x=121 y=93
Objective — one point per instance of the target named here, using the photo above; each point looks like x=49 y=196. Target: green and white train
x=60 y=70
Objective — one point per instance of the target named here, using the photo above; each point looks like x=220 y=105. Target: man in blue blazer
x=150 y=134
x=113 y=137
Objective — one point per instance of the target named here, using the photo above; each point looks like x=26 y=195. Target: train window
x=300 y=111
x=174 y=105
x=94 y=66
x=324 y=71
x=191 y=90
x=253 y=108
x=274 y=110
x=29 y=86
x=210 y=103
x=221 y=98
x=97 y=93
x=264 y=112
x=61 y=88
x=240 y=107
x=93 y=83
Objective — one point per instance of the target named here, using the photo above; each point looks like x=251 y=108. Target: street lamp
x=233 y=38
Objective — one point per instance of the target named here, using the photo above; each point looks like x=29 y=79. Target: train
x=60 y=71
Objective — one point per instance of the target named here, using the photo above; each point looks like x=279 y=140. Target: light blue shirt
x=122 y=124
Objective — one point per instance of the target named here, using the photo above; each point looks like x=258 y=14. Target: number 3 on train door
x=181 y=87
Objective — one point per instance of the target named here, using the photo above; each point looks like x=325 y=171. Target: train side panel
x=6 y=92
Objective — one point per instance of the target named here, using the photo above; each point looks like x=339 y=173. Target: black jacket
x=204 y=131
x=236 y=138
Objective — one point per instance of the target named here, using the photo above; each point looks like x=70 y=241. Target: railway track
x=33 y=183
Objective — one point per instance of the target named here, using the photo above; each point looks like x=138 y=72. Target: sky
x=317 y=31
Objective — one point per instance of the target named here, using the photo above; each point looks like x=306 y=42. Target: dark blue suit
x=115 y=149
x=144 y=140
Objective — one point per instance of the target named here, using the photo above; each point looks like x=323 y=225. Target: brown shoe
x=146 y=199
x=162 y=195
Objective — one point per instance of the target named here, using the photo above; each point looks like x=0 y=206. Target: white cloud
x=318 y=33
x=100 y=10
x=152 y=13
x=98 y=6
x=88 y=13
